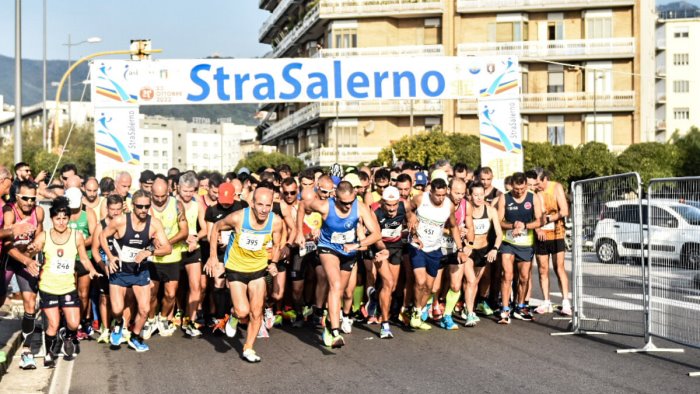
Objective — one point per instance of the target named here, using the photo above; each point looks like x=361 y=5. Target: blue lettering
x=440 y=84
x=337 y=79
x=286 y=75
x=268 y=85
x=239 y=85
x=321 y=85
x=220 y=77
x=194 y=76
x=398 y=76
x=378 y=79
x=358 y=80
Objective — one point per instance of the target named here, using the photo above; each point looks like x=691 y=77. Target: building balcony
x=267 y=4
x=567 y=102
x=660 y=44
x=347 y=156
x=661 y=71
x=274 y=20
x=404 y=50
x=478 y=6
x=608 y=48
x=661 y=98
x=660 y=125
x=297 y=32
x=356 y=108
x=331 y=9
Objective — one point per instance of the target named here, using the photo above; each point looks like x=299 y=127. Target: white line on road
x=613 y=304
x=60 y=383
x=665 y=301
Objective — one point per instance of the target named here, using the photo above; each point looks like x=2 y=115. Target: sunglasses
x=142 y=206
x=65 y=178
x=393 y=179
x=345 y=203
x=27 y=198
x=325 y=191
x=381 y=186
x=293 y=193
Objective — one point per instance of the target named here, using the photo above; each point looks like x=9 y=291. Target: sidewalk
x=10 y=339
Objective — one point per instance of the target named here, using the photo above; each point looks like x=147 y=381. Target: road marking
x=62 y=375
x=664 y=301
x=612 y=304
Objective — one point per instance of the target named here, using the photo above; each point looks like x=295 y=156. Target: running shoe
x=385 y=332
x=418 y=323
x=269 y=318
x=290 y=315
x=327 y=337
x=544 y=307
x=346 y=324
x=437 y=311
x=250 y=355
x=115 y=338
x=137 y=344
x=149 y=328
x=484 y=308
x=307 y=311
x=337 y=342
x=166 y=328
x=447 y=323
x=277 y=321
x=471 y=320
x=263 y=333
x=49 y=360
x=177 y=319
x=68 y=348
x=372 y=303
x=426 y=312
x=566 y=307
x=27 y=360
x=126 y=335
x=231 y=326
x=505 y=316
x=104 y=336
x=463 y=313
x=81 y=335
x=192 y=330
x=522 y=313
x=372 y=320
x=405 y=316
x=219 y=325
x=298 y=321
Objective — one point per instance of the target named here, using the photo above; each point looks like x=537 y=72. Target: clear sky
x=182 y=28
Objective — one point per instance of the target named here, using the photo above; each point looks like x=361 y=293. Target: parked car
x=675 y=226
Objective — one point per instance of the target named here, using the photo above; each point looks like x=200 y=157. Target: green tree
x=595 y=160
x=538 y=154
x=466 y=149
x=262 y=159
x=424 y=148
x=650 y=160
x=689 y=148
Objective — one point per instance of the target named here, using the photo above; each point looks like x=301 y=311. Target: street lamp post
x=69 y=44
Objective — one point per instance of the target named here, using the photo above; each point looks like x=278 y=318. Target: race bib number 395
x=252 y=242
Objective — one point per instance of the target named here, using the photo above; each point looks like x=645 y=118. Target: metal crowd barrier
x=608 y=270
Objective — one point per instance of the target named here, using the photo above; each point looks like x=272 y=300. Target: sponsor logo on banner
x=504 y=78
x=113 y=85
x=118 y=145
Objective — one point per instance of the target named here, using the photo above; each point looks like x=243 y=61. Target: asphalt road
x=522 y=357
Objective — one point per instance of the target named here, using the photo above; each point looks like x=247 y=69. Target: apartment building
x=677 y=85
x=580 y=62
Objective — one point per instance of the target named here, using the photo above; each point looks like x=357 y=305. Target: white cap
x=391 y=194
x=75 y=197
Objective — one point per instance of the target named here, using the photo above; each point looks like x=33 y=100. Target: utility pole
x=18 y=81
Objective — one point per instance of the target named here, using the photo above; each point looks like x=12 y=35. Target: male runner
x=247 y=263
x=122 y=184
x=166 y=269
x=137 y=236
x=519 y=212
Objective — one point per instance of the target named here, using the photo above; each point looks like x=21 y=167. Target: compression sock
x=357 y=297
x=451 y=301
x=28 y=324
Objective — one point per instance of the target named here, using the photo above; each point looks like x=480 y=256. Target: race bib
x=392 y=232
x=252 y=242
x=343 y=238
x=307 y=248
x=429 y=232
x=523 y=238
x=127 y=254
x=481 y=226
x=62 y=267
x=548 y=227
x=448 y=245
x=225 y=237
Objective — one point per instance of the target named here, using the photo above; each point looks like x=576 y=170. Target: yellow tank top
x=168 y=217
x=246 y=251
x=553 y=230
x=58 y=272
x=192 y=216
x=96 y=208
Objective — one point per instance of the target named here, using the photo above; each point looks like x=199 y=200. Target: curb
x=9 y=350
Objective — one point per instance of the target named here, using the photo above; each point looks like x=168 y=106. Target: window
x=195 y=156
x=146 y=166
x=206 y=144
x=599 y=24
x=525 y=125
x=194 y=143
x=155 y=140
x=347 y=130
x=155 y=153
x=681 y=113
x=145 y=140
x=555 y=78
x=681 y=86
x=680 y=32
x=165 y=140
x=599 y=128
x=156 y=166
x=146 y=153
x=432 y=34
x=164 y=153
x=508 y=31
x=555 y=26
x=555 y=130
x=342 y=34
x=680 y=59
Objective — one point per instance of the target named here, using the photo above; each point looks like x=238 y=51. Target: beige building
x=580 y=63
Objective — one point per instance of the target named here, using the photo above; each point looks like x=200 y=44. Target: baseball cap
x=336 y=180
x=75 y=197
x=147 y=176
x=244 y=170
x=439 y=174
x=226 y=193
x=421 y=179
x=353 y=179
x=391 y=194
